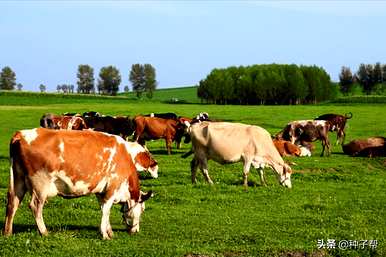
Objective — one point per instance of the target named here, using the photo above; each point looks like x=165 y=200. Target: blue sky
x=44 y=42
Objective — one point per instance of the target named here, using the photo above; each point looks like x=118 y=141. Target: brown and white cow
x=226 y=142
x=71 y=164
x=66 y=121
x=338 y=124
x=303 y=131
x=369 y=147
x=151 y=128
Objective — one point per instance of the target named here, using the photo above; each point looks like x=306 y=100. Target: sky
x=45 y=41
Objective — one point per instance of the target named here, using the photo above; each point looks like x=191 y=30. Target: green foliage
x=346 y=80
x=337 y=197
x=109 y=81
x=85 y=79
x=7 y=79
x=143 y=79
x=42 y=88
x=266 y=84
x=137 y=79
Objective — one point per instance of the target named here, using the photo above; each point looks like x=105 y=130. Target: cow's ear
x=146 y=196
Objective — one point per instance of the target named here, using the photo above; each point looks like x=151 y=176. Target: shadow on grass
x=23 y=228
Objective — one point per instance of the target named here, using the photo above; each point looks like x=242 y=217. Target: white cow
x=226 y=142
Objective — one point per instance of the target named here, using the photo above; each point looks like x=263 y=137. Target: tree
x=137 y=79
x=126 y=89
x=377 y=74
x=19 y=86
x=42 y=88
x=110 y=78
x=85 y=79
x=346 y=80
x=150 y=80
x=7 y=79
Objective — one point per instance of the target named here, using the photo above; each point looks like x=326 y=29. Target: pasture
x=336 y=197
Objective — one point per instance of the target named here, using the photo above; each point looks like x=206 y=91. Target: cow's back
x=229 y=141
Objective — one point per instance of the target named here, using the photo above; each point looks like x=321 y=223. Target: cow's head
x=144 y=161
x=132 y=211
x=285 y=176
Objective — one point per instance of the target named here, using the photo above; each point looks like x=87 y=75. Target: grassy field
x=335 y=197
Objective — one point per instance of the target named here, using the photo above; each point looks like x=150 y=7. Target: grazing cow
x=121 y=126
x=50 y=120
x=150 y=128
x=370 y=147
x=303 y=131
x=338 y=124
x=226 y=142
x=166 y=115
x=286 y=148
x=76 y=163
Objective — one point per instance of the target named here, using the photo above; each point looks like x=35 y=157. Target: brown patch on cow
x=286 y=148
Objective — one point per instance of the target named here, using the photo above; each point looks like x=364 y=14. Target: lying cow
x=303 y=131
x=338 y=124
x=286 y=148
x=151 y=128
x=370 y=147
x=76 y=163
x=226 y=142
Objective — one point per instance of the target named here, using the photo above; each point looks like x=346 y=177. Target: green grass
x=182 y=94
x=335 y=197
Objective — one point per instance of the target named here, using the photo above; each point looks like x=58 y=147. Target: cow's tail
x=348 y=115
x=13 y=150
x=186 y=155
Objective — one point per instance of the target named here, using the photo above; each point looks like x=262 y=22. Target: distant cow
x=151 y=128
x=66 y=121
x=286 y=148
x=370 y=147
x=121 y=126
x=303 y=131
x=226 y=142
x=338 y=124
x=50 y=120
x=71 y=164
x=166 y=115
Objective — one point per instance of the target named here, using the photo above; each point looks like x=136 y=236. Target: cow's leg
x=105 y=227
x=169 y=145
x=15 y=195
x=262 y=178
x=36 y=205
x=247 y=166
x=204 y=169
x=193 y=169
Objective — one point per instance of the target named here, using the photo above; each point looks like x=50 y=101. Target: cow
x=50 y=120
x=121 y=125
x=151 y=128
x=65 y=121
x=286 y=148
x=226 y=142
x=338 y=124
x=47 y=163
x=370 y=147
x=303 y=131
x=166 y=115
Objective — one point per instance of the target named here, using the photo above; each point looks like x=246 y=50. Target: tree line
x=370 y=79
x=266 y=84
x=141 y=76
